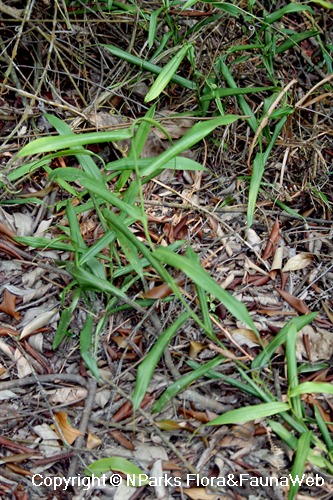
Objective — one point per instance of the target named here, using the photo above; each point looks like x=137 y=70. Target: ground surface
x=55 y=419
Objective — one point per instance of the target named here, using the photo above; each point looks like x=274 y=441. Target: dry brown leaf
x=201 y=416
x=329 y=314
x=68 y=395
x=7 y=350
x=23 y=472
x=195 y=348
x=8 y=305
x=277 y=260
x=297 y=262
x=125 y=443
x=41 y=320
x=69 y=433
x=244 y=336
x=93 y=441
x=320 y=343
x=272 y=241
x=294 y=302
x=23 y=367
x=158 y=292
x=248 y=264
x=6 y=231
x=126 y=410
x=19 y=457
x=175 y=126
x=252 y=238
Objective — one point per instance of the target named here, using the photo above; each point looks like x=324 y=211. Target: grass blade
x=47 y=144
x=147 y=366
x=198 y=132
x=86 y=345
x=202 y=279
x=184 y=382
x=292 y=370
x=148 y=66
x=297 y=470
x=73 y=174
x=248 y=413
x=166 y=74
x=300 y=322
x=257 y=173
x=292 y=7
x=311 y=387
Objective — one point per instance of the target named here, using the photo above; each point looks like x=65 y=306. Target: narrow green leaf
x=166 y=74
x=177 y=163
x=97 y=247
x=256 y=176
x=45 y=243
x=323 y=427
x=87 y=163
x=294 y=40
x=74 y=226
x=201 y=278
x=234 y=382
x=86 y=345
x=46 y=144
x=73 y=174
x=62 y=328
x=147 y=366
x=241 y=100
x=130 y=252
x=184 y=382
x=137 y=145
x=287 y=9
x=97 y=268
x=226 y=92
x=153 y=26
x=117 y=464
x=299 y=323
x=297 y=470
x=311 y=387
x=193 y=136
x=201 y=293
x=313 y=456
x=87 y=280
x=292 y=370
x=323 y=3
x=249 y=413
x=148 y=66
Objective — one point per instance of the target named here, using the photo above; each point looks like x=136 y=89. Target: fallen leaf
x=294 y=302
x=38 y=322
x=329 y=314
x=125 y=443
x=67 y=395
x=8 y=305
x=93 y=441
x=277 y=260
x=195 y=348
x=297 y=262
x=23 y=367
x=243 y=336
x=272 y=241
x=69 y=433
x=6 y=231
